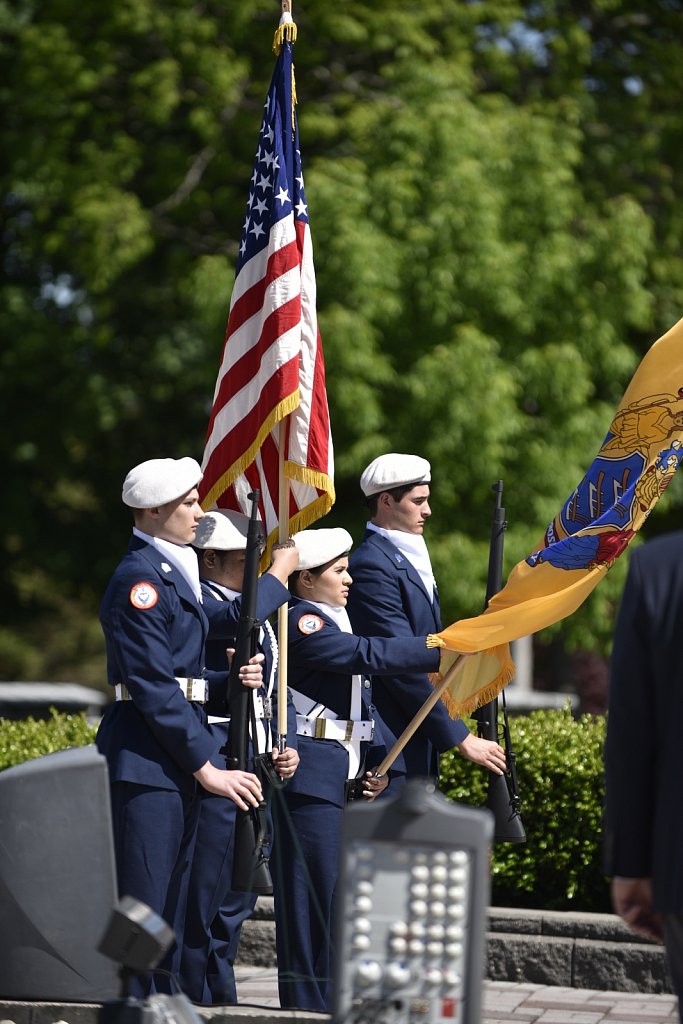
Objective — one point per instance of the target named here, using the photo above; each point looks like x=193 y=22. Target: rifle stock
x=250 y=872
x=503 y=791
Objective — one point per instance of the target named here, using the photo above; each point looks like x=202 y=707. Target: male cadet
x=155 y=735
x=394 y=594
x=215 y=912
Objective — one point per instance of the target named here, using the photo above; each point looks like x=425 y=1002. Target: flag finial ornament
x=286 y=30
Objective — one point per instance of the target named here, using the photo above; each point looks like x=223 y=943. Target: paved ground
x=507 y=1001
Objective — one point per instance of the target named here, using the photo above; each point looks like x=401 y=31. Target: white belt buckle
x=193 y=689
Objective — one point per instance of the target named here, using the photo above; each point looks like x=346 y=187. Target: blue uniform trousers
x=154 y=831
x=214 y=912
x=304 y=868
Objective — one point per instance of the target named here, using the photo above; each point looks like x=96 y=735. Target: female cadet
x=327 y=666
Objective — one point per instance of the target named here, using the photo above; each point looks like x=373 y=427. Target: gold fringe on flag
x=481 y=679
x=286 y=30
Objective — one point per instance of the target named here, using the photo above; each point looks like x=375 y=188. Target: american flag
x=272 y=365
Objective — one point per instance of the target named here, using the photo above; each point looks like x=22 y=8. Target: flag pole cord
x=449 y=677
x=282 y=612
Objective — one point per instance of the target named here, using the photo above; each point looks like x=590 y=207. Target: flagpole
x=283 y=511
x=283 y=610
x=449 y=677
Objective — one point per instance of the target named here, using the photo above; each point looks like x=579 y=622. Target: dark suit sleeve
x=630 y=748
x=377 y=609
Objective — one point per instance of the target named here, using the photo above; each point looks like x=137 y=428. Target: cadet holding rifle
x=215 y=911
x=154 y=735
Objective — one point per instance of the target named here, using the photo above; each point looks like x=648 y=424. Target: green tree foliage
x=560 y=768
x=492 y=193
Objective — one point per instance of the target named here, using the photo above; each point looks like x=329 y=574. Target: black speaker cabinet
x=57 y=879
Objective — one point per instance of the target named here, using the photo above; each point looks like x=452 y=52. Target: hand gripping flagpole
x=448 y=678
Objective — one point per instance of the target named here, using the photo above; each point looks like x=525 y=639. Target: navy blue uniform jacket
x=158 y=738
x=321 y=666
x=644 y=806
x=388 y=598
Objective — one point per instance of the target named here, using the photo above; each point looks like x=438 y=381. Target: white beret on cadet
x=394 y=470
x=223 y=530
x=316 y=547
x=158 y=481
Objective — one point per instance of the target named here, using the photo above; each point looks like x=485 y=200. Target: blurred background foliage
x=493 y=189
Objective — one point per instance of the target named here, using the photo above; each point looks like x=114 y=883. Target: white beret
x=223 y=530
x=393 y=470
x=159 y=481
x=316 y=547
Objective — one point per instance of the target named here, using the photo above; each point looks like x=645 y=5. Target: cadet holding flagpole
x=340 y=739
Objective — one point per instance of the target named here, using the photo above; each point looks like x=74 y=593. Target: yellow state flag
x=640 y=454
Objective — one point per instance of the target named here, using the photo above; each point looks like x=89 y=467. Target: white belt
x=192 y=689
x=339 y=729
x=263 y=708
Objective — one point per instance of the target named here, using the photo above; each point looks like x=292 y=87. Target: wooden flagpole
x=282 y=612
x=283 y=528
x=412 y=727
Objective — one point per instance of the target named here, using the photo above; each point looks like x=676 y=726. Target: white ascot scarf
x=413 y=547
x=337 y=613
x=182 y=556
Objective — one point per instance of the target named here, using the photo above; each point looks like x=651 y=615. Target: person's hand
x=285 y=761
x=284 y=560
x=487 y=753
x=373 y=785
x=250 y=675
x=243 y=788
x=632 y=901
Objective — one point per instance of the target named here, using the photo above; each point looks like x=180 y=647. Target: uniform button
x=366 y=684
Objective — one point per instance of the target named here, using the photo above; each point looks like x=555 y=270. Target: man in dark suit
x=154 y=735
x=394 y=594
x=643 y=850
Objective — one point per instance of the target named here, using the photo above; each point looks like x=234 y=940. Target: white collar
x=413 y=547
x=337 y=613
x=181 y=555
x=225 y=592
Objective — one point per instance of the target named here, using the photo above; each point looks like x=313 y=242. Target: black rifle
x=250 y=871
x=503 y=791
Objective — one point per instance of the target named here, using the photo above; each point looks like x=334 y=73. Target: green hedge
x=561 y=781
x=559 y=764
x=27 y=738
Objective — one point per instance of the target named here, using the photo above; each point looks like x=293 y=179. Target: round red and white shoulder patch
x=143 y=596
x=310 y=623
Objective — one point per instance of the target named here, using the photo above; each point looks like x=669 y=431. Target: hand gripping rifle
x=503 y=791
x=250 y=871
